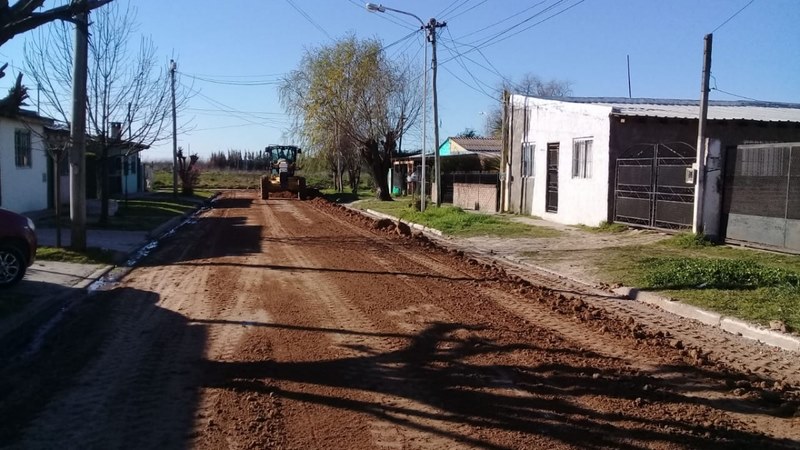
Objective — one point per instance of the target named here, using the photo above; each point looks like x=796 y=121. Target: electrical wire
x=309 y=19
x=451 y=8
x=515 y=15
x=731 y=17
x=467 y=10
x=232 y=82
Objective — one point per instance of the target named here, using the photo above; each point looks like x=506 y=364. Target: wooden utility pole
x=431 y=27
x=700 y=164
x=77 y=155
x=172 y=68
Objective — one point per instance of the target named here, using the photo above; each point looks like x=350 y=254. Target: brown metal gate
x=651 y=189
x=761 y=204
x=551 y=201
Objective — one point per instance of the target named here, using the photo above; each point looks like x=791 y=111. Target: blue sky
x=232 y=53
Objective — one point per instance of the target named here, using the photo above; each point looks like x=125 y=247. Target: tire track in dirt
x=363 y=338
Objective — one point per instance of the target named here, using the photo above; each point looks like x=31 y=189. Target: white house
x=23 y=163
x=590 y=160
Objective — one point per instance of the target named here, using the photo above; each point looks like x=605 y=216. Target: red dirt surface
x=287 y=324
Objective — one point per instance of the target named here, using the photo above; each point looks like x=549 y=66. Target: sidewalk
x=51 y=286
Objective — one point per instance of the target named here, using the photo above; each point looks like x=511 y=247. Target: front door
x=551 y=203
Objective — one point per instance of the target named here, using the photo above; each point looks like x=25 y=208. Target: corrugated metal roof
x=479 y=144
x=690 y=109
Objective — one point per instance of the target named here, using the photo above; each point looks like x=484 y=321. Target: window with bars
x=582 y=158
x=22 y=148
x=528 y=149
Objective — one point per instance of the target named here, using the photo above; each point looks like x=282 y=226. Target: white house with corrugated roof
x=24 y=176
x=590 y=160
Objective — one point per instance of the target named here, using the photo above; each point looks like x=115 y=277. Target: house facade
x=24 y=163
x=589 y=160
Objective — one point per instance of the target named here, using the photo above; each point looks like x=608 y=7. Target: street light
x=372 y=7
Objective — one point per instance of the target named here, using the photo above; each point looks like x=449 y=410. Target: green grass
x=149 y=212
x=90 y=256
x=455 y=221
x=605 y=227
x=749 y=284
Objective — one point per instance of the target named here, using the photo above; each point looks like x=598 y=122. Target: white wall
x=580 y=200
x=24 y=189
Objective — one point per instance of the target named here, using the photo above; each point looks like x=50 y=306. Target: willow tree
x=350 y=94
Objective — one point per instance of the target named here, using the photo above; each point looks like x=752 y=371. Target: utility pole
x=431 y=27
x=77 y=156
x=424 y=127
x=505 y=139
x=172 y=68
x=700 y=164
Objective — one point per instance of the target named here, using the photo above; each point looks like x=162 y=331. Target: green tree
x=349 y=95
x=468 y=133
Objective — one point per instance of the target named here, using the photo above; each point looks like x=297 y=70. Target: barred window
x=528 y=155
x=22 y=148
x=582 y=158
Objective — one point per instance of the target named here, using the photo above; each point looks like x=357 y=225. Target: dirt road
x=286 y=324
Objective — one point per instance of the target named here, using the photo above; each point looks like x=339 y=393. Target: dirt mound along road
x=286 y=324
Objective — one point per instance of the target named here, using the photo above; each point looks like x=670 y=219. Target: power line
x=467 y=10
x=233 y=82
x=734 y=15
x=499 y=36
x=502 y=20
x=309 y=19
x=451 y=8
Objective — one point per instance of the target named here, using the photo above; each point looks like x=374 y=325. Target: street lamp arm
x=380 y=8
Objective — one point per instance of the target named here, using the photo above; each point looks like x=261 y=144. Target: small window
x=528 y=149
x=582 y=158
x=22 y=148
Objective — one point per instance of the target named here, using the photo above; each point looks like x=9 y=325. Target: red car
x=17 y=246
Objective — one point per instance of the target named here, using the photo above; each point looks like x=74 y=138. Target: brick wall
x=480 y=197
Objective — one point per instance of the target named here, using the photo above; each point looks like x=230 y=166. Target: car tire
x=12 y=266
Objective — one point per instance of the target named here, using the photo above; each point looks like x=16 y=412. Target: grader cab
x=281 y=181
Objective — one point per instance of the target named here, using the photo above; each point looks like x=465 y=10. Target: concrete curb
x=94 y=276
x=709 y=318
x=416 y=226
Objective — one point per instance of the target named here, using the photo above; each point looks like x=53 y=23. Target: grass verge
x=457 y=222
x=749 y=284
x=92 y=255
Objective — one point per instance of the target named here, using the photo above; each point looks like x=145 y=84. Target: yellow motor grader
x=281 y=181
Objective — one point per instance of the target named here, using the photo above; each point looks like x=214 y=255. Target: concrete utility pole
x=505 y=139
x=431 y=27
x=700 y=164
x=77 y=156
x=172 y=68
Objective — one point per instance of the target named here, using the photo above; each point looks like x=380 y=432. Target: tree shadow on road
x=117 y=371
x=441 y=380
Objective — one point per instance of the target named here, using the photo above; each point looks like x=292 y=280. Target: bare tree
x=23 y=16
x=350 y=89
x=529 y=85
x=124 y=85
